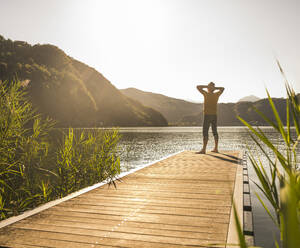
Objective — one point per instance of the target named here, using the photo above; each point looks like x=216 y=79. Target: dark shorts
x=210 y=120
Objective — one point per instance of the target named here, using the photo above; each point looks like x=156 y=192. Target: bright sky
x=170 y=46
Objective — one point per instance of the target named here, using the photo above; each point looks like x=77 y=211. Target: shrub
x=35 y=167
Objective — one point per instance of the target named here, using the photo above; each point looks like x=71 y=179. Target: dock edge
x=247 y=206
x=242 y=201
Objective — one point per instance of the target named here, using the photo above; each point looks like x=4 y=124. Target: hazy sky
x=169 y=46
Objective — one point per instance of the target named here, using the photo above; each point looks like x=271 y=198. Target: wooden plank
x=150 y=209
x=181 y=201
x=129 y=222
x=124 y=228
x=89 y=235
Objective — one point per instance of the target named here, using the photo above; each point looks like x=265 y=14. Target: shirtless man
x=210 y=112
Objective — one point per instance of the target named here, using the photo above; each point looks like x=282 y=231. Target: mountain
x=171 y=108
x=68 y=90
x=180 y=112
x=250 y=98
x=183 y=113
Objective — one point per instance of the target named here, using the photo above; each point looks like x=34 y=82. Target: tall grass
x=280 y=184
x=39 y=163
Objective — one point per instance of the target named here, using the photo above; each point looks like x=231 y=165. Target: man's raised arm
x=221 y=89
x=201 y=87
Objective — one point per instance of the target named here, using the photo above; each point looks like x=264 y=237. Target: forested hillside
x=183 y=113
x=69 y=91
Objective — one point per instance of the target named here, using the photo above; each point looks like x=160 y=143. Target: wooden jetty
x=182 y=201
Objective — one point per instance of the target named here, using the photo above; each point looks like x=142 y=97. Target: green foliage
x=281 y=184
x=34 y=167
x=86 y=160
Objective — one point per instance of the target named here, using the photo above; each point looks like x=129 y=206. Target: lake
x=139 y=146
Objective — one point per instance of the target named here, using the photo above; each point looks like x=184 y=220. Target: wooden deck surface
x=181 y=201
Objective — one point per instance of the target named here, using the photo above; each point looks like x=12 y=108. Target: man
x=210 y=112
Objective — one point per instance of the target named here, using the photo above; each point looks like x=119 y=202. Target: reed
x=39 y=163
x=280 y=184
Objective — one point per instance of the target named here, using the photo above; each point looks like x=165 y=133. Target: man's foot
x=201 y=152
x=215 y=150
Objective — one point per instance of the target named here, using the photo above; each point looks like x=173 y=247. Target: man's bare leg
x=216 y=144
x=203 y=150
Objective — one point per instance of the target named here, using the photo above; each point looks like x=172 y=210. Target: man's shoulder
x=217 y=94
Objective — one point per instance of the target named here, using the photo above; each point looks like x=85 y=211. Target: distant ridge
x=183 y=113
x=250 y=98
x=172 y=109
